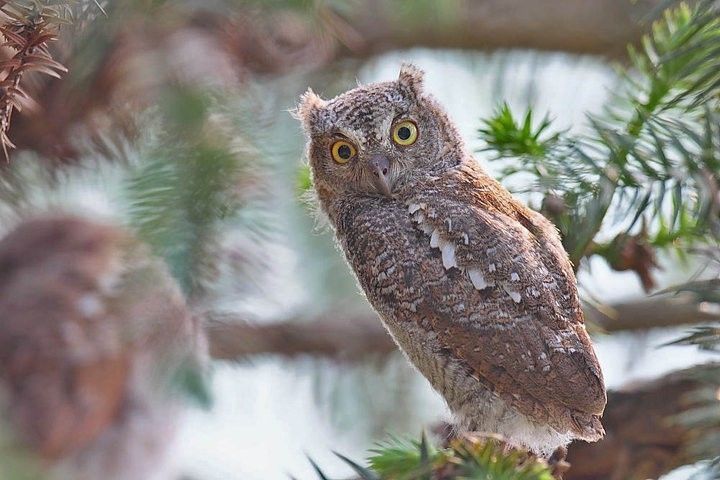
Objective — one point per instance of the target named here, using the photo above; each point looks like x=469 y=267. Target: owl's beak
x=380 y=167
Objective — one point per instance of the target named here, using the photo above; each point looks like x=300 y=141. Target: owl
x=94 y=338
x=474 y=287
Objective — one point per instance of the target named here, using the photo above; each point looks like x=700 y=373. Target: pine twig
x=28 y=33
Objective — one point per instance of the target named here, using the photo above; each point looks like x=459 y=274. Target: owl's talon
x=557 y=462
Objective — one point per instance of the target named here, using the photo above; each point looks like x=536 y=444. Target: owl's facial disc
x=379 y=165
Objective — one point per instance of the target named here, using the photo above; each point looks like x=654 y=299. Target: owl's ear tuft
x=412 y=78
x=308 y=108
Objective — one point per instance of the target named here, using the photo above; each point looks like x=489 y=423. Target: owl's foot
x=444 y=432
x=557 y=462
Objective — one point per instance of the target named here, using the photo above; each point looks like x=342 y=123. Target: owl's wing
x=496 y=290
x=514 y=315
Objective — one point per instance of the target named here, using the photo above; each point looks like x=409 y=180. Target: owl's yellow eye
x=342 y=151
x=405 y=133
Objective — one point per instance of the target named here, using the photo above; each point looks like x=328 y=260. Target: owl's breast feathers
x=459 y=256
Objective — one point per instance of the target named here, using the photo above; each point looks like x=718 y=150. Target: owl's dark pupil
x=344 y=152
x=403 y=133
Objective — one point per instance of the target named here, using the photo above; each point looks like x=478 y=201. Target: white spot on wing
x=448 y=255
x=514 y=277
x=491 y=267
x=513 y=294
x=435 y=239
x=413 y=207
x=477 y=279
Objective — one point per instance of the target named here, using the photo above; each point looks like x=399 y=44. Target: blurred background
x=171 y=122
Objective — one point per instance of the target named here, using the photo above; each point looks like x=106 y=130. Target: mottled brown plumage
x=92 y=333
x=475 y=288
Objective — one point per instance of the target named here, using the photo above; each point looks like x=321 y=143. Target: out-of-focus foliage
x=185 y=188
x=704 y=418
x=16 y=463
x=655 y=153
x=706 y=338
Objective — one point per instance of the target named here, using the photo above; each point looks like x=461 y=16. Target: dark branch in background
x=357 y=336
x=255 y=39
x=578 y=26
x=653 y=312
x=351 y=338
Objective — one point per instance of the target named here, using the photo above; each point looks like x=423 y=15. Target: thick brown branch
x=363 y=29
x=352 y=337
x=644 y=436
x=648 y=428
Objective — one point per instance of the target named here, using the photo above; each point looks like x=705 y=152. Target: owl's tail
x=588 y=427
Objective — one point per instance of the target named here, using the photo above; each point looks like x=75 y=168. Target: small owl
x=474 y=287
x=93 y=335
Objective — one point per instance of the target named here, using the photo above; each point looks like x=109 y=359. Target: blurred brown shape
x=633 y=252
x=644 y=438
x=92 y=332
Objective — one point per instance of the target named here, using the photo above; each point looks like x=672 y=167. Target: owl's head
x=375 y=138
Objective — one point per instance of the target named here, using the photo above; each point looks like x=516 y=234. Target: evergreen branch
x=654 y=152
x=706 y=338
x=504 y=134
x=401 y=459
x=28 y=31
x=184 y=189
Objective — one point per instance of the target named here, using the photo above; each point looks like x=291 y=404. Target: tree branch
x=356 y=336
x=654 y=312
x=578 y=26
x=348 y=338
